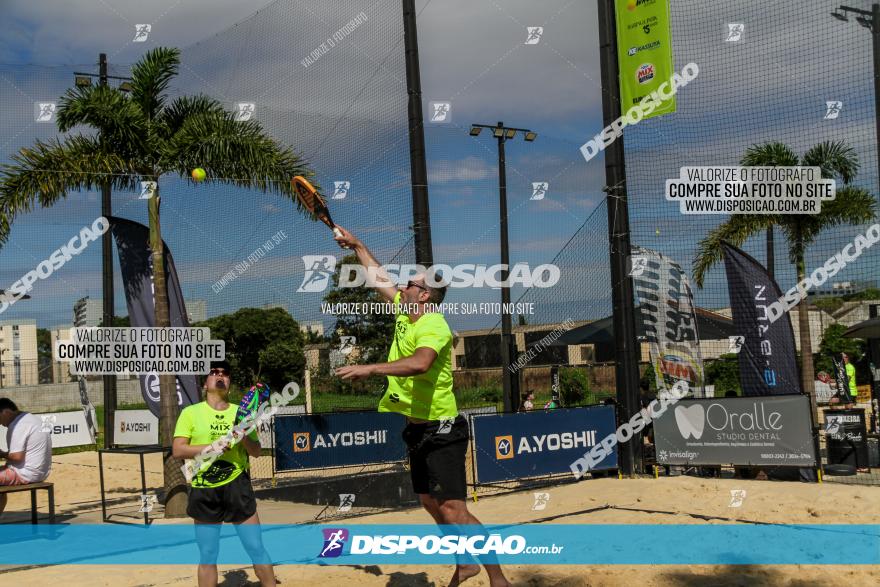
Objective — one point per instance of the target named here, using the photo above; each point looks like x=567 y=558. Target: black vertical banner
x=767 y=360
x=136 y=262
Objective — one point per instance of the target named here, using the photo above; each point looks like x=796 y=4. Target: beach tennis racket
x=248 y=408
x=312 y=201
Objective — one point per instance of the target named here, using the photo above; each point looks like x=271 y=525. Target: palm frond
x=773 y=154
x=150 y=78
x=172 y=117
x=118 y=120
x=835 y=158
x=47 y=171
x=233 y=152
x=735 y=231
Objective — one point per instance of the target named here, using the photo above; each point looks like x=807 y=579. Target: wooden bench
x=33 y=488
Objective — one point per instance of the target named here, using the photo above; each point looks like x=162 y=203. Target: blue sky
x=346 y=113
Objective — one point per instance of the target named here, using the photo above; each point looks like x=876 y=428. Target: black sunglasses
x=410 y=284
x=219 y=371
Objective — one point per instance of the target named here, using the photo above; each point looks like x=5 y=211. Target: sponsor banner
x=332 y=440
x=529 y=444
x=266 y=426
x=846 y=437
x=644 y=51
x=527 y=544
x=67 y=428
x=767 y=363
x=135 y=427
x=666 y=307
x=737 y=431
x=136 y=263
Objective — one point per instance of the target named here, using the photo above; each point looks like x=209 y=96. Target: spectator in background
x=29 y=448
x=851 y=377
x=528 y=403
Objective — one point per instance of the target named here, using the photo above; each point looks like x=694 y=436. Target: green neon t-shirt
x=427 y=396
x=202 y=424
x=851 y=375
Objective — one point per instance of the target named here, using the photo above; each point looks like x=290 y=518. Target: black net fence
x=801 y=78
x=326 y=79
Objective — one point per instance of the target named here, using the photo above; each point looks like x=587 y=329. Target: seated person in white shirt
x=29 y=448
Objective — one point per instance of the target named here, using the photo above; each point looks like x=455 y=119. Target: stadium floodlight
x=864 y=21
x=125 y=87
x=530 y=136
x=498 y=132
x=840 y=16
x=476 y=130
x=83 y=81
x=510 y=132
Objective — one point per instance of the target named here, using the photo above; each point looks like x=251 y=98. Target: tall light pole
x=83 y=80
x=870 y=19
x=509 y=385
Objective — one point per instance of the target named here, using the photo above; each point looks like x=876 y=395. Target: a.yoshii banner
x=644 y=51
x=666 y=307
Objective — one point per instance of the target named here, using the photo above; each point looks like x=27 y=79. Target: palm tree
x=852 y=205
x=143 y=137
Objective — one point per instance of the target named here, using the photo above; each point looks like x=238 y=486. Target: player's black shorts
x=233 y=502
x=437 y=457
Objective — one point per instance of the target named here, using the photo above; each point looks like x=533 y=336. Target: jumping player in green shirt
x=419 y=371
x=222 y=492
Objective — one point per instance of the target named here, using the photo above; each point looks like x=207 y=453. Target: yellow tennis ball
x=198 y=174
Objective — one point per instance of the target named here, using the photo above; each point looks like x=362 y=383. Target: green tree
x=574 y=385
x=118 y=322
x=833 y=343
x=851 y=206
x=44 y=355
x=143 y=136
x=261 y=345
x=724 y=374
x=373 y=331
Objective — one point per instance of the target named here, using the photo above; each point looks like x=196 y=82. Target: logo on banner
x=677 y=368
x=503 y=447
x=334 y=540
x=691 y=421
x=302 y=442
x=645 y=73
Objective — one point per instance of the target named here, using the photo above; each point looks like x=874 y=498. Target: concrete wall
x=55 y=397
